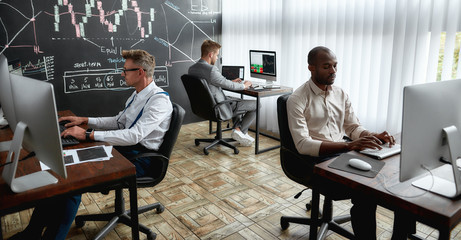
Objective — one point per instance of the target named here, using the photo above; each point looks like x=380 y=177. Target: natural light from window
x=455 y=55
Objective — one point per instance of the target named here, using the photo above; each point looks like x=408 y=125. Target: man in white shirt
x=142 y=124
x=319 y=116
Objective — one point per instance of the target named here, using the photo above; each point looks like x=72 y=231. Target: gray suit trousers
x=248 y=109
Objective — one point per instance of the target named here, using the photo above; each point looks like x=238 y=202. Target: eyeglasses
x=131 y=69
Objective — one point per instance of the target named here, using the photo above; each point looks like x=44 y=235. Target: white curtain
x=381 y=46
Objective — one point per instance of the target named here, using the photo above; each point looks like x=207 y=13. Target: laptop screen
x=233 y=72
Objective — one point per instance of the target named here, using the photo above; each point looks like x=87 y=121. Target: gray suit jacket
x=216 y=82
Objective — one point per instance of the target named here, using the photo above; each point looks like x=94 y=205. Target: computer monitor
x=15 y=67
x=263 y=65
x=6 y=100
x=36 y=130
x=233 y=72
x=431 y=127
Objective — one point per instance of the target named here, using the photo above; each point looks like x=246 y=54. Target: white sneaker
x=240 y=137
x=247 y=136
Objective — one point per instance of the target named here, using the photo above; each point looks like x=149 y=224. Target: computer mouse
x=359 y=164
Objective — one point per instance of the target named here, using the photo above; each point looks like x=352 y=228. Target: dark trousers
x=404 y=225
x=363 y=218
x=143 y=165
x=55 y=216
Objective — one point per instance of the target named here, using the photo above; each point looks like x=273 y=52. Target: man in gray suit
x=205 y=69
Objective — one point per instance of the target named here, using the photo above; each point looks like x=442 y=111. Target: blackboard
x=77 y=45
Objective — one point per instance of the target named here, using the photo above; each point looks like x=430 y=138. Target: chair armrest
x=226 y=101
x=151 y=181
x=148 y=154
x=144 y=180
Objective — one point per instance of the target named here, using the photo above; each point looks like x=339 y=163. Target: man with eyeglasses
x=143 y=121
x=141 y=124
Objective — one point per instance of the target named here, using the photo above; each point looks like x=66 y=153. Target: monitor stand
x=450 y=187
x=27 y=182
x=270 y=85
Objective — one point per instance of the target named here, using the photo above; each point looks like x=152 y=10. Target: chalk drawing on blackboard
x=105 y=79
x=29 y=20
x=93 y=79
x=203 y=7
x=161 y=76
x=42 y=69
x=111 y=20
x=167 y=43
x=64 y=10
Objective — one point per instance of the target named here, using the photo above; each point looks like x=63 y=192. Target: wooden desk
x=81 y=178
x=258 y=94
x=431 y=209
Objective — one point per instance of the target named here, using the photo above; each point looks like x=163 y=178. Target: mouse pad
x=342 y=163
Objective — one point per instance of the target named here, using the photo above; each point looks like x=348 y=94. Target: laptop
x=233 y=72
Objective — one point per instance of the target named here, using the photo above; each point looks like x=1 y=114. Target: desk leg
x=257 y=133
x=134 y=209
x=444 y=234
x=257 y=126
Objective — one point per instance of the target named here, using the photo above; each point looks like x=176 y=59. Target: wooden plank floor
x=219 y=196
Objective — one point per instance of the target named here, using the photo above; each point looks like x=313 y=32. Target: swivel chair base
x=120 y=215
x=217 y=140
x=214 y=142
x=326 y=222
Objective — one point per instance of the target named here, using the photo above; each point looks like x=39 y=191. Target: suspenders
x=140 y=113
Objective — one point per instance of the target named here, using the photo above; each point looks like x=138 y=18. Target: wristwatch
x=88 y=133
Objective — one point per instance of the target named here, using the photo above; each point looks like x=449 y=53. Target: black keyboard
x=69 y=140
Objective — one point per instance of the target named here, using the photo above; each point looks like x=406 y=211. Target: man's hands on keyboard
x=68 y=140
x=370 y=142
x=71 y=127
x=374 y=141
x=386 y=151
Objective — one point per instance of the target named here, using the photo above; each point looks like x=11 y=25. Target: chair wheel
x=79 y=223
x=284 y=224
x=197 y=143
x=160 y=209
x=236 y=151
x=151 y=236
x=206 y=152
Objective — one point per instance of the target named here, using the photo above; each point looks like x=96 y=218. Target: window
x=443 y=55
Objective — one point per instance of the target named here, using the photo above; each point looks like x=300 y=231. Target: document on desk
x=81 y=155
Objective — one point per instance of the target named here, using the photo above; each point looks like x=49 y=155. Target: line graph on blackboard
x=171 y=45
x=77 y=45
x=109 y=26
x=41 y=69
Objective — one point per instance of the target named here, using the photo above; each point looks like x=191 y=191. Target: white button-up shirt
x=315 y=115
x=148 y=130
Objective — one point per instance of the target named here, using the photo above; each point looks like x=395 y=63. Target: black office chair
x=299 y=168
x=204 y=105
x=161 y=158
